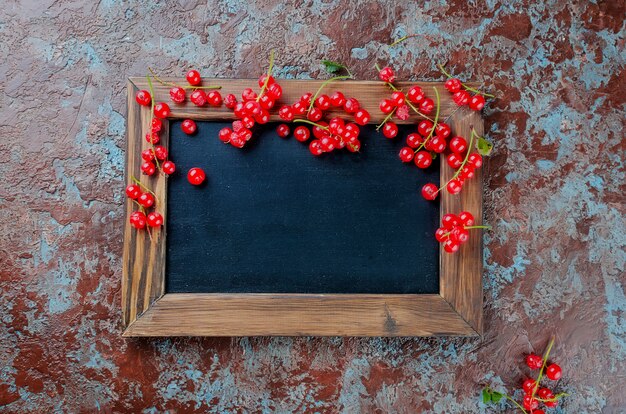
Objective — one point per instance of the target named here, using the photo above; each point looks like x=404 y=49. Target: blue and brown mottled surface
x=554 y=194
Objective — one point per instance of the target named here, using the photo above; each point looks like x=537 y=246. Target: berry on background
x=193 y=77
x=196 y=176
x=143 y=98
x=189 y=126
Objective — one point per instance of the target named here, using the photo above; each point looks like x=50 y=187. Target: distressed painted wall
x=554 y=262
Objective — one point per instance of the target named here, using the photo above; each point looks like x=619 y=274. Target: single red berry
x=189 y=126
x=335 y=126
x=302 y=133
x=362 y=117
x=315 y=147
x=266 y=102
x=263 y=117
x=337 y=99
x=245 y=134
x=529 y=385
x=466 y=218
x=461 y=98
x=423 y=159
x=437 y=144
x=351 y=106
x=214 y=98
x=477 y=102
x=319 y=131
x=248 y=95
x=475 y=159
x=454 y=160
x=327 y=144
x=148 y=168
x=441 y=234
x=539 y=412
x=252 y=108
x=427 y=106
x=386 y=75
x=460 y=234
x=442 y=130
x=237 y=140
x=306 y=98
x=315 y=114
x=283 y=130
x=534 y=361
x=451 y=245
x=299 y=108
x=390 y=130
x=467 y=173
x=416 y=94
x=430 y=191
x=450 y=221
x=402 y=112
x=177 y=94
x=224 y=134
x=198 y=97
x=153 y=138
x=354 y=145
x=286 y=113
x=458 y=145
x=160 y=152
x=424 y=128
x=263 y=78
x=230 y=101
x=193 y=77
x=454 y=186
x=147 y=154
x=239 y=110
x=146 y=200
x=248 y=121
x=530 y=403
x=275 y=91
x=350 y=126
x=553 y=371
x=323 y=102
x=386 y=106
x=406 y=154
x=161 y=110
x=397 y=97
x=196 y=176
x=155 y=219
x=143 y=97
x=168 y=167
x=138 y=220
x=133 y=191
x=544 y=394
x=157 y=125
x=453 y=85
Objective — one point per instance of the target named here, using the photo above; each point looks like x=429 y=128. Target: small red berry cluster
x=454 y=230
x=461 y=93
x=145 y=199
x=534 y=394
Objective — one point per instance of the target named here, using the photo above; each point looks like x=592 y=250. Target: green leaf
x=496 y=396
x=486 y=396
x=484 y=146
x=333 y=67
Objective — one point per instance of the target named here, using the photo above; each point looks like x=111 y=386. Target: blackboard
x=273 y=218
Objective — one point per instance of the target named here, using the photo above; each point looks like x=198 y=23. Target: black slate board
x=273 y=218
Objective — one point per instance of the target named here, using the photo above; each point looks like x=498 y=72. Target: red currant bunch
x=461 y=93
x=454 y=230
x=145 y=200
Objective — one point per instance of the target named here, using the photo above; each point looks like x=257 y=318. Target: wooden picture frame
x=148 y=311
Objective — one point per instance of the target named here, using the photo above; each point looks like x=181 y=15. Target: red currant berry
x=534 y=361
x=196 y=176
x=402 y=112
x=263 y=117
x=263 y=78
x=193 y=77
x=198 y=97
x=283 y=130
x=168 y=167
x=143 y=98
x=248 y=95
x=177 y=94
x=438 y=144
x=157 y=125
x=354 y=145
x=386 y=106
x=544 y=394
x=306 y=98
x=301 y=133
x=214 y=98
x=441 y=234
x=397 y=98
x=335 y=126
x=323 y=102
x=319 y=130
x=252 y=108
x=390 y=130
x=467 y=219
x=155 y=219
x=239 y=110
x=230 y=101
x=189 y=126
x=467 y=173
x=146 y=200
x=414 y=140
x=275 y=91
x=161 y=110
x=245 y=134
x=386 y=75
x=147 y=154
x=539 y=412
x=430 y=191
x=451 y=245
x=453 y=85
x=299 y=108
x=315 y=147
x=350 y=126
x=406 y=154
x=133 y=191
x=529 y=385
x=337 y=99
x=450 y=221
x=138 y=220
x=427 y=106
x=266 y=102
x=530 y=403
x=362 y=117
x=416 y=94
x=236 y=140
x=327 y=144
x=460 y=234
x=461 y=98
x=553 y=371
x=160 y=152
x=454 y=160
x=442 y=130
x=423 y=159
x=475 y=159
x=286 y=113
x=351 y=106
x=248 y=121
x=153 y=138
x=454 y=186
x=424 y=128
x=148 y=168
x=315 y=114
x=477 y=102
x=458 y=145
x=224 y=134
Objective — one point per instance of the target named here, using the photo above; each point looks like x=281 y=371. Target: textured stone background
x=554 y=263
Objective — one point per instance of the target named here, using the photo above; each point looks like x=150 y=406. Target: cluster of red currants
x=155 y=157
x=454 y=230
x=533 y=394
x=461 y=93
x=328 y=136
x=145 y=200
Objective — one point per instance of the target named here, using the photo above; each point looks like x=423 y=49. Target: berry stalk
x=164 y=83
x=267 y=78
x=156 y=160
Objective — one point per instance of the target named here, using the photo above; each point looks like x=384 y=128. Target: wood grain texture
x=191 y=314
x=457 y=310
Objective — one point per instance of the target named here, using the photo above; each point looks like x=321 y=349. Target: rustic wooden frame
x=148 y=311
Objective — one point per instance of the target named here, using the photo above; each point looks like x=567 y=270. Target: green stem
x=267 y=77
x=456 y=174
x=306 y=121
x=477 y=227
x=543 y=365
x=136 y=181
x=435 y=122
x=323 y=85
x=387 y=118
x=464 y=85
x=164 y=83
x=402 y=39
x=516 y=403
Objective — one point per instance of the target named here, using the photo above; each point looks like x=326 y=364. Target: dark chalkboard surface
x=272 y=218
